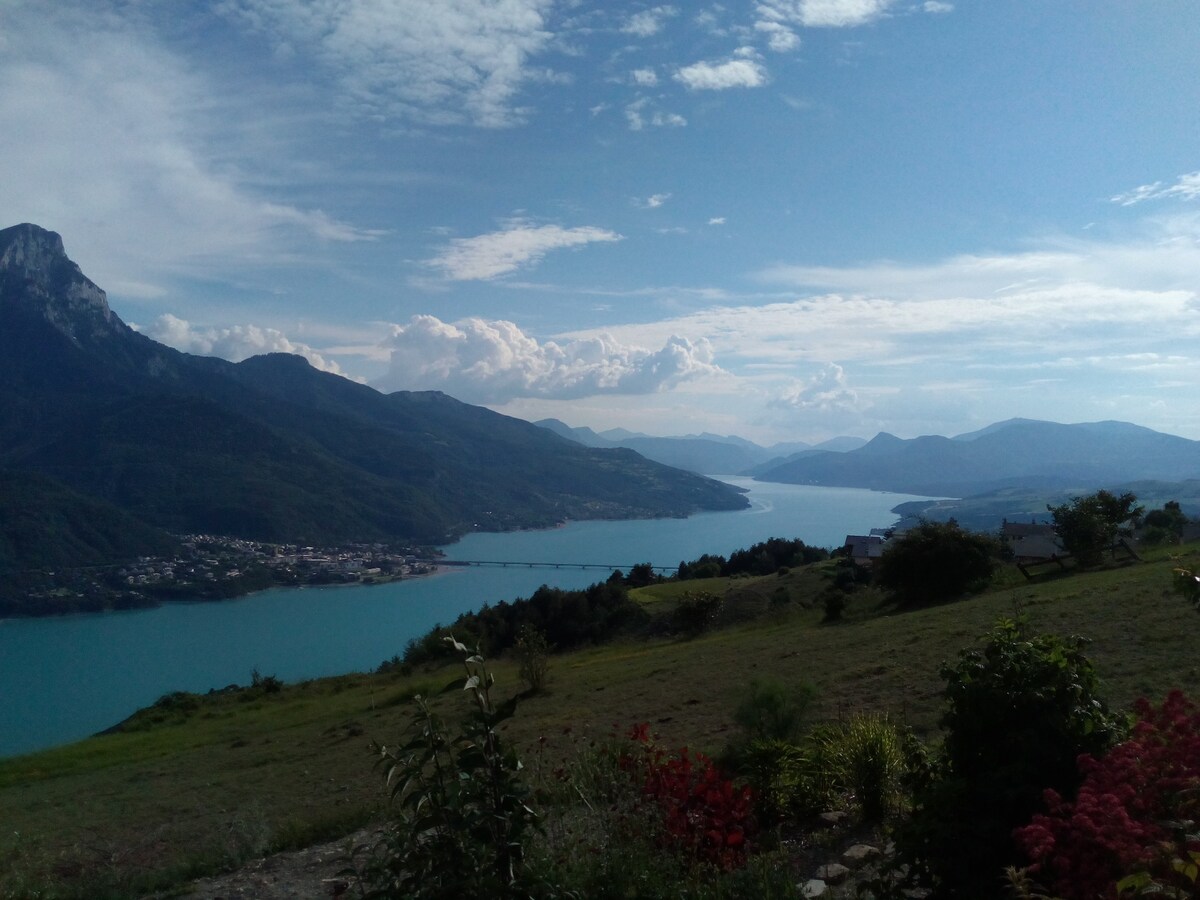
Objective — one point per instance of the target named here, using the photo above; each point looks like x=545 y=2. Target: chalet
x=1031 y=542
x=864 y=549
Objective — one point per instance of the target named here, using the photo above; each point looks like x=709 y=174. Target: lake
x=63 y=679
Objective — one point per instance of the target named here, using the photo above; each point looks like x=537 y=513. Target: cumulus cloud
x=654 y=201
x=517 y=245
x=823 y=13
x=937 y=6
x=234 y=343
x=720 y=76
x=1186 y=187
x=649 y=22
x=481 y=361
x=826 y=392
x=644 y=77
x=639 y=114
x=450 y=61
x=780 y=38
x=717 y=220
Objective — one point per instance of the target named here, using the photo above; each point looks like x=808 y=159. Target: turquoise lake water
x=63 y=679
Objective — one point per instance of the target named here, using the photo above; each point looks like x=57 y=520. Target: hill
x=270 y=448
x=1045 y=456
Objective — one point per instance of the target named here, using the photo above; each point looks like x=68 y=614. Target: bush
x=702 y=815
x=773 y=711
x=697 y=610
x=533 y=656
x=1020 y=711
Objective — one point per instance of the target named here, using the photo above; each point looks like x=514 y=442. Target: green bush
x=533 y=657
x=772 y=710
x=1020 y=710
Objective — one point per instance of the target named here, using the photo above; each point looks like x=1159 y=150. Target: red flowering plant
x=702 y=814
x=1135 y=813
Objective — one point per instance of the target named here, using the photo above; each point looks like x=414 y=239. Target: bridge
x=664 y=570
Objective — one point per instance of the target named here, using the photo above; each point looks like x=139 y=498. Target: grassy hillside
x=198 y=783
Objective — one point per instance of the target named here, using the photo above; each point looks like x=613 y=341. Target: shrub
x=1132 y=814
x=773 y=711
x=533 y=655
x=697 y=610
x=1020 y=711
x=703 y=815
x=1187 y=583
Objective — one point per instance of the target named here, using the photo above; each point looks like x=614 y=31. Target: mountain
x=271 y=448
x=1017 y=453
x=705 y=454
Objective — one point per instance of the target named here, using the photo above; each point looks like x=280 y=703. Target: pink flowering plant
x=1133 y=823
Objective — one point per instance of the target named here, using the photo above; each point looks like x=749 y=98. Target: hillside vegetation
x=197 y=783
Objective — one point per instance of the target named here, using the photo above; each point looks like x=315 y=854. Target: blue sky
x=785 y=219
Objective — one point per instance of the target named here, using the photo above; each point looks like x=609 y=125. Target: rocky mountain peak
x=37 y=275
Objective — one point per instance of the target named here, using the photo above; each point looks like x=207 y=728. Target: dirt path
x=314 y=873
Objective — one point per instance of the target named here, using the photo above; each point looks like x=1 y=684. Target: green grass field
x=193 y=790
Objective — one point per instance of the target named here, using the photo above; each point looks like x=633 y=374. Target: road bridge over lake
x=551 y=565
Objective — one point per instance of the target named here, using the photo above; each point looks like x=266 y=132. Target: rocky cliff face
x=37 y=276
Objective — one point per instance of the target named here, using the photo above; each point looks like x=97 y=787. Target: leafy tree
x=1021 y=709
x=1087 y=526
x=936 y=562
x=1164 y=526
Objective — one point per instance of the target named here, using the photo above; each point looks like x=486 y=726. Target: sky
x=782 y=219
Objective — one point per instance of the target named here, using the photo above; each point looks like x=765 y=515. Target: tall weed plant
x=461 y=821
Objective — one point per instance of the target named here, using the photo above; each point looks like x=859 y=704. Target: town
x=210 y=567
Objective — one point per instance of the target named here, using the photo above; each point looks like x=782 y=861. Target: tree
x=1087 y=526
x=1164 y=526
x=936 y=562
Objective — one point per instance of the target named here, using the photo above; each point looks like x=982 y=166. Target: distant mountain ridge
x=1017 y=453
x=707 y=454
x=271 y=448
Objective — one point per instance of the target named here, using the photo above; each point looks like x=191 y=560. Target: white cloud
x=234 y=343
x=644 y=77
x=639 y=114
x=1186 y=187
x=120 y=145
x=780 y=38
x=482 y=361
x=717 y=220
x=823 y=13
x=827 y=391
x=519 y=244
x=733 y=73
x=649 y=22
x=654 y=201
x=937 y=6
x=450 y=61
